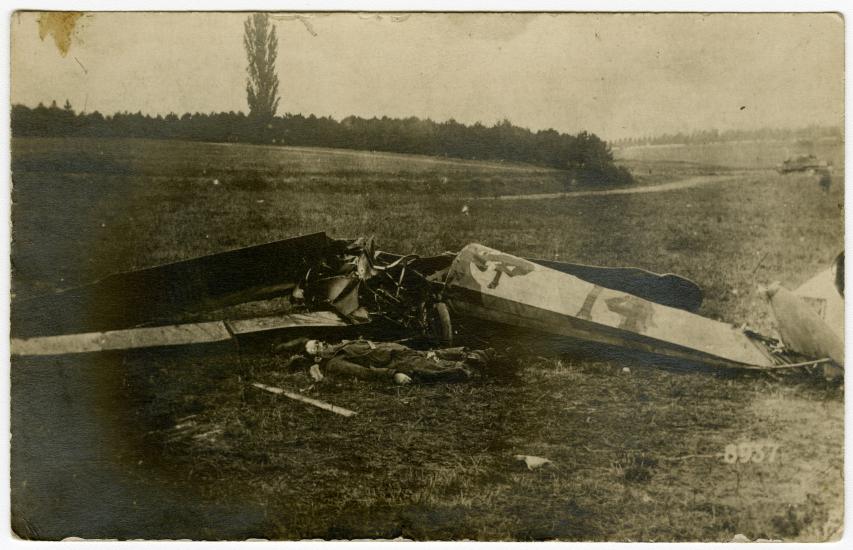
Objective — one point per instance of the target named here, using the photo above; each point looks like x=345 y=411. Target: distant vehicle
x=804 y=163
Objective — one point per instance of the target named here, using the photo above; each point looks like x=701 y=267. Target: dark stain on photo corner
x=60 y=26
x=83 y=466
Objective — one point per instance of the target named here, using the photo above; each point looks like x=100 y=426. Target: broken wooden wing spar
x=316 y=281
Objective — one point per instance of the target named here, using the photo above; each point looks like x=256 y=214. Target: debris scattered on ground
x=533 y=462
x=743 y=538
x=401 y=379
x=200 y=433
x=315 y=402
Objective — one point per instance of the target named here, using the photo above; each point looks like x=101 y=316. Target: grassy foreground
x=638 y=452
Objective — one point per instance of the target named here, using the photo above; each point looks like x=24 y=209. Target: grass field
x=636 y=450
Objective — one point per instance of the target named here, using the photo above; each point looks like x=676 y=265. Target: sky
x=617 y=75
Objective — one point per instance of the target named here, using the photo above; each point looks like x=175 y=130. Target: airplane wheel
x=440 y=325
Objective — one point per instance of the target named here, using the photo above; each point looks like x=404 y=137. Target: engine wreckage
x=315 y=283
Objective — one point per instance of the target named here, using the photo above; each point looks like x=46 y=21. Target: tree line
x=585 y=157
x=810 y=133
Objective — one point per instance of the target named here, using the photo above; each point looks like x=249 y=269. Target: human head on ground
x=315 y=347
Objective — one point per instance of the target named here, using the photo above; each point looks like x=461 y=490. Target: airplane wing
x=128 y=299
x=491 y=286
x=171 y=335
x=667 y=289
x=153 y=307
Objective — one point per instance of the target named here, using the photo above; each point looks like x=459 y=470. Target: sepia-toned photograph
x=427 y=276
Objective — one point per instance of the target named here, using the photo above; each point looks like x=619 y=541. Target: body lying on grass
x=389 y=361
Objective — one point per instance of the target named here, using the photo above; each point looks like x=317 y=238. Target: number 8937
x=747 y=452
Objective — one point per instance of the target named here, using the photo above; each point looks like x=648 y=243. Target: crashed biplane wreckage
x=316 y=283
x=811 y=318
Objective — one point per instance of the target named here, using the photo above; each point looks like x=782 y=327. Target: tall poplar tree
x=261 y=45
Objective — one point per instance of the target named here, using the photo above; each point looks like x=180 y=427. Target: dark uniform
x=381 y=361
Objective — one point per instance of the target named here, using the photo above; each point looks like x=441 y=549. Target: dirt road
x=670 y=186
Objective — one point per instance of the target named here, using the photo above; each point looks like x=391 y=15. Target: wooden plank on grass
x=315 y=402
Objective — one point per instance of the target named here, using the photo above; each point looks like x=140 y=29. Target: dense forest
x=585 y=157
x=811 y=133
